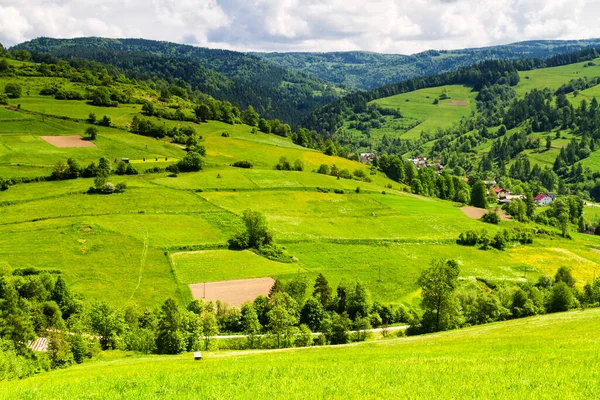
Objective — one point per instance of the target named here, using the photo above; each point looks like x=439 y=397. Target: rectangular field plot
x=68 y=141
x=221 y=265
x=233 y=292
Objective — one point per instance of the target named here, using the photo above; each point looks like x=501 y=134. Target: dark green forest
x=242 y=79
x=366 y=71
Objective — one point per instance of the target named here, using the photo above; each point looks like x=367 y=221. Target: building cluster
x=506 y=196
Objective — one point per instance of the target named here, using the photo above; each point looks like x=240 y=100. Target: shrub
x=491 y=217
x=561 y=298
x=499 y=241
x=105 y=121
x=283 y=165
x=13 y=90
x=345 y=174
x=298 y=165
x=468 y=238
x=242 y=164
x=338 y=191
x=192 y=161
x=92 y=132
x=121 y=186
x=225 y=134
x=3 y=99
x=323 y=169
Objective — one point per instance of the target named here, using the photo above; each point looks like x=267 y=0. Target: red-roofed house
x=544 y=199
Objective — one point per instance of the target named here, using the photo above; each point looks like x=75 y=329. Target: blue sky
x=391 y=26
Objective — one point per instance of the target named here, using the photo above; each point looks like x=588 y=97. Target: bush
x=92 y=132
x=491 y=218
x=338 y=191
x=468 y=238
x=225 y=134
x=3 y=99
x=298 y=165
x=242 y=164
x=191 y=162
x=561 y=298
x=13 y=90
x=105 y=121
x=345 y=174
x=283 y=165
x=323 y=169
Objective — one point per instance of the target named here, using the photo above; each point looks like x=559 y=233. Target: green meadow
x=555 y=77
x=543 y=357
x=418 y=105
x=163 y=232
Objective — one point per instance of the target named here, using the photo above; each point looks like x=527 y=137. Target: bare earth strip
x=233 y=292
x=458 y=102
x=476 y=213
x=68 y=141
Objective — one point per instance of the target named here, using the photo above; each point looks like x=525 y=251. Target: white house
x=543 y=199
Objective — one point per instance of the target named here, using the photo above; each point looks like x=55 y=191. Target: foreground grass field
x=544 y=357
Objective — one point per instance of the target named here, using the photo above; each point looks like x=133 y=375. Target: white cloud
x=395 y=26
x=13 y=26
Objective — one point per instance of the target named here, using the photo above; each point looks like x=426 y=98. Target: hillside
x=511 y=122
x=366 y=70
x=539 y=357
x=381 y=236
x=242 y=79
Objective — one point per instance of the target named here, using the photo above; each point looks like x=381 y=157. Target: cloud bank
x=390 y=26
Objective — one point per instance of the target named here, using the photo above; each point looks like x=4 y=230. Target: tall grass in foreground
x=551 y=356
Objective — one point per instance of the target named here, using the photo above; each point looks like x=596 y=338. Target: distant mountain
x=365 y=70
x=243 y=79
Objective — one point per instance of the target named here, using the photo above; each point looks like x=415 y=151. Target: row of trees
x=448 y=304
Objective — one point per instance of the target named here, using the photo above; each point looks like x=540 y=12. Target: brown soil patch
x=234 y=292
x=68 y=141
x=476 y=213
x=458 y=102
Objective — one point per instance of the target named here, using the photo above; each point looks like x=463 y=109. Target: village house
x=419 y=161
x=543 y=199
x=367 y=158
x=510 y=197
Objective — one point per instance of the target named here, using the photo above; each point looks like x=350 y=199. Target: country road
x=41 y=344
x=376 y=330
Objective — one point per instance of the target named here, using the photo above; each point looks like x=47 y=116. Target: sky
x=385 y=26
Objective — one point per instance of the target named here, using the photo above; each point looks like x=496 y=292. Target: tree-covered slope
x=276 y=92
x=366 y=70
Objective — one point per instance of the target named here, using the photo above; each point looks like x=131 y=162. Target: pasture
x=507 y=360
x=555 y=77
x=165 y=233
x=418 y=105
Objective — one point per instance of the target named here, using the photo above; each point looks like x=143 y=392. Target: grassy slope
x=98 y=241
x=551 y=356
x=418 y=105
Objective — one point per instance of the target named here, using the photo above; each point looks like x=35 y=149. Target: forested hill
x=243 y=79
x=330 y=118
x=365 y=70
